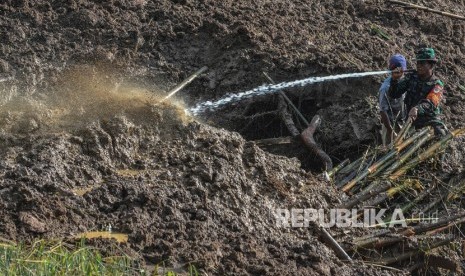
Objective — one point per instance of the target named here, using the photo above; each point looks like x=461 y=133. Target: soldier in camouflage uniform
x=423 y=92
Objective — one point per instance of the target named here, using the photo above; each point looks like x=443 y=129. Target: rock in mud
x=31 y=223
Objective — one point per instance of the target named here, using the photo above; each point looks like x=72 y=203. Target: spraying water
x=272 y=88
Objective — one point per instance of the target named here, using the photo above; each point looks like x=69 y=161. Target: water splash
x=272 y=88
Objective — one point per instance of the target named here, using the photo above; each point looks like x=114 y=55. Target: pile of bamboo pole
x=425 y=237
x=380 y=175
x=379 y=172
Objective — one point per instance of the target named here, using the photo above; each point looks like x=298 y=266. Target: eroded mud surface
x=183 y=191
x=81 y=114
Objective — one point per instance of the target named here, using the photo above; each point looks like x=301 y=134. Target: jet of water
x=272 y=88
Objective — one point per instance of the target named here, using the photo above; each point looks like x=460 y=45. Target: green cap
x=426 y=54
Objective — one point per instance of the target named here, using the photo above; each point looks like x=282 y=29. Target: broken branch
x=340 y=252
x=287 y=117
x=409 y=5
x=309 y=141
x=413 y=253
x=184 y=83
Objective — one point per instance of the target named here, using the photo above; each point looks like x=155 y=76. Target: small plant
x=375 y=30
x=193 y=271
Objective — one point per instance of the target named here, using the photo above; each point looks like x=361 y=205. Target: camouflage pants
x=433 y=121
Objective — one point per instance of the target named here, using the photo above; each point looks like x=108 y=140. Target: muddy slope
x=183 y=191
x=159 y=43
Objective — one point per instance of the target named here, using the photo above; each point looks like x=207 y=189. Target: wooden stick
x=410 y=254
x=366 y=195
x=425 y=228
x=340 y=252
x=346 y=179
x=359 y=177
x=377 y=242
x=430 y=229
x=387 y=160
x=417 y=199
x=378 y=234
x=274 y=141
x=454 y=223
x=338 y=168
x=385 y=267
x=427 y=9
x=389 y=193
x=403 y=132
x=376 y=168
x=358 y=164
x=402 y=159
x=380 y=170
x=184 y=83
x=286 y=117
x=373 y=168
x=407 y=142
x=349 y=167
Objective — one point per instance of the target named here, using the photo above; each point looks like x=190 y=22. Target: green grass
x=191 y=271
x=58 y=258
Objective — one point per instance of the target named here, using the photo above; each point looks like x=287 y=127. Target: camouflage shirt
x=426 y=95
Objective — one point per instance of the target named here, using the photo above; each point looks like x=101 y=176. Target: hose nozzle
x=402 y=71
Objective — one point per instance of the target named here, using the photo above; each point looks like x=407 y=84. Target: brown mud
x=81 y=114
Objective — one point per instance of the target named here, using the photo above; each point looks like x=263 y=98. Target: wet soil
x=81 y=113
x=184 y=192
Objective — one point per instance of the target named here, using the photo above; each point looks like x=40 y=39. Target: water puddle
x=122 y=238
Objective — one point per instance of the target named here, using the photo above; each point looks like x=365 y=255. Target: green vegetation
x=58 y=258
x=191 y=271
x=377 y=31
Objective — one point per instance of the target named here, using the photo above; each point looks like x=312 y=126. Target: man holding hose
x=423 y=92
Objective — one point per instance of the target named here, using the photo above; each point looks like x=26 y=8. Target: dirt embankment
x=183 y=191
x=157 y=44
